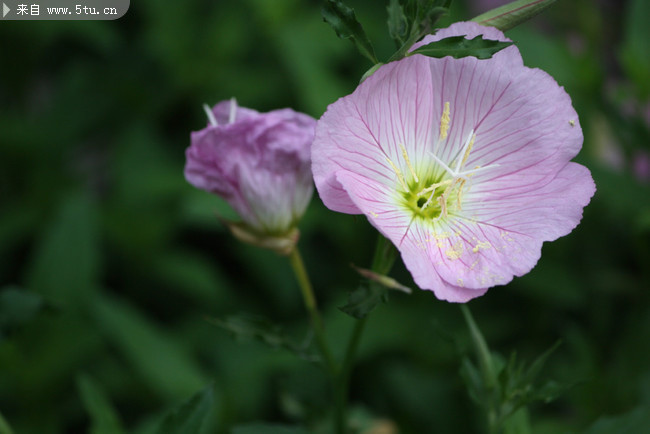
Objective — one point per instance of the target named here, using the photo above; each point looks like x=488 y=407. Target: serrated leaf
x=397 y=24
x=267 y=428
x=104 y=419
x=364 y=299
x=191 y=416
x=459 y=47
x=345 y=24
x=512 y=14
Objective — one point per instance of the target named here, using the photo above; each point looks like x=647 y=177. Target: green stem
x=487 y=366
x=382 y=261
x=343 y=379
x=310 y=303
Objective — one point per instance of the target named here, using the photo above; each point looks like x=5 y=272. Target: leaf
x=17 y=308
x=635 y=50
x=267 y=428
x=104 y=419
x=364 y=299
x=191 y=416
x=245 y=326
x=459 y=46
x=345 y=24
x=397 y=24
x=158 y=358
x=4 y=426
x=66 y=264
x=512 y=14
x=636 y=421
x=473 y=381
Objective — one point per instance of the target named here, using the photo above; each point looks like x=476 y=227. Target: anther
x=398 y=172
x=408 y=163
x=444 y=122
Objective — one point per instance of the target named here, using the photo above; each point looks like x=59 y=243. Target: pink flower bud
x=258 y=162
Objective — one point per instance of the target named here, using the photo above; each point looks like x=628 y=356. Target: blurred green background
x=111 y=264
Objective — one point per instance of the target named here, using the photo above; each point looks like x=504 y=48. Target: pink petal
x=358 y=133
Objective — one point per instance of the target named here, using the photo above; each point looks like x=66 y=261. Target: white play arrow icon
x=5 y=10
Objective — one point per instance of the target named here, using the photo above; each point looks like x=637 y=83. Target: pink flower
x=258 y=162
x=462 y=163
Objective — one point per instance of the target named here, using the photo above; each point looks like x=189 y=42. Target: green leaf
x=66 y=264
x=154 y=354
x=17 y=308
x=4 y=426
x=364 y=299
x=636 y=421
x=397 y=24
x=345 y=24
x=473 y=381
x=104 y=419
x=635 y=51
x=511 y=15
x=267 y=428
x=190 y=417
x=252 y=327
x=459 y=46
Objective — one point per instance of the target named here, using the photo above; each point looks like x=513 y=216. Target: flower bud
x=258 y=162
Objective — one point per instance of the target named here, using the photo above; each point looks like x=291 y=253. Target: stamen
x=476 y=169
x=467 y=147
x=426 y=204
x=444 y=122
x=433 y=187
x=233 y=110
x=442 y=201
x=211 y=118
x=408 y=163
x=460 y=194
x=398 y=172
x=439 y=161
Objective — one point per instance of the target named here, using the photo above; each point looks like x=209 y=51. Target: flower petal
x=391 y=111
x=503 y=238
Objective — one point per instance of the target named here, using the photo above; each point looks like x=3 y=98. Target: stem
x=343 y=379
x=382 y=262
x=485 y=361
x=310 y=303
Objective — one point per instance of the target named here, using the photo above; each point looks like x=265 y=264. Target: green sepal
x=458 y=47
x=345 y=24
x=508 y=16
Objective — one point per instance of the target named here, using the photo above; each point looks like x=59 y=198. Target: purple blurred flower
x=641 y=166
x=462 y=163
x=258 y=162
